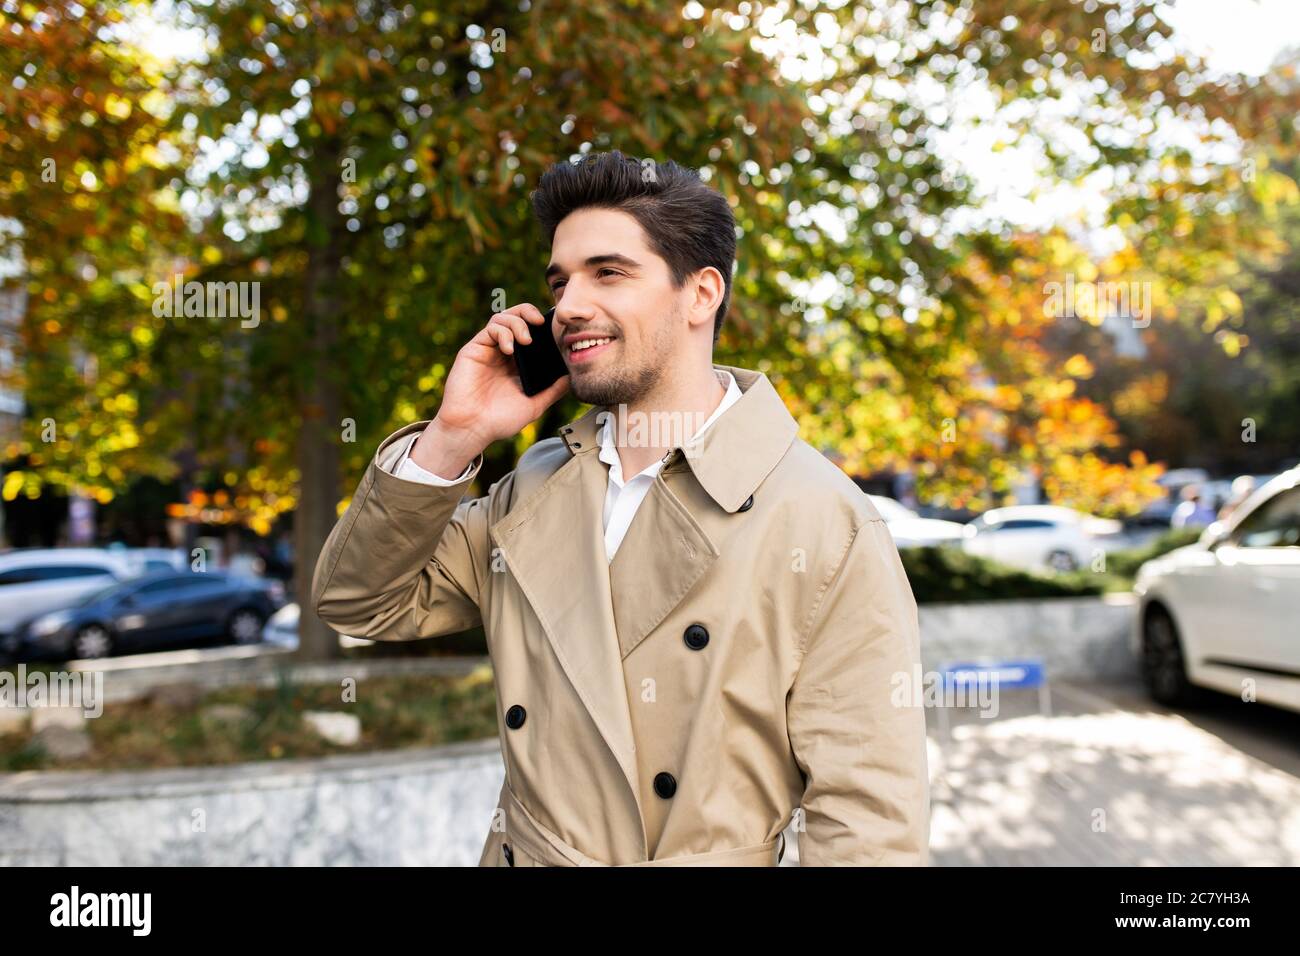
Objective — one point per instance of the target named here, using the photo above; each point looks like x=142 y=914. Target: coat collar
x=733 y=456
x=607 y=436
x=595 y=612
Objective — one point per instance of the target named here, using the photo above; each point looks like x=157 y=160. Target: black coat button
x=696 y=637
x=515 y=717
x=665 y=785
x=510 y=854
x=749 y=503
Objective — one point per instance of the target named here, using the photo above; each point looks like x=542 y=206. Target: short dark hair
x=690 y=225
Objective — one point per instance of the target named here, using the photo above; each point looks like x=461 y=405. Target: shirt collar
x=609 y=451
x=733 y=456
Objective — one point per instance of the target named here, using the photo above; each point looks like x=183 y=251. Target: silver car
x=36 y=580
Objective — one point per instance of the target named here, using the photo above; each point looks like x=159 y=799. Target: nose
x=568 y=317
x=574 y=308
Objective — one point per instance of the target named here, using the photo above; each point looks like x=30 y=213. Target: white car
x=36 y=580
x=1224 y=613
x=910 y=530
x=282 y=630
x=1041 y=536
x=156 y=559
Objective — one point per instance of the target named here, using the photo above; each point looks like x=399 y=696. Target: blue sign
x=1006 y=675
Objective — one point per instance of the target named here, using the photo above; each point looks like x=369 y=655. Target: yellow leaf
x=116 y=106
x=13 y=483
x=1078 y=366
x=1231 y=301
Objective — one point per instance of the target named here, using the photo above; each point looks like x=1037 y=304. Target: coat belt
x=544 y=845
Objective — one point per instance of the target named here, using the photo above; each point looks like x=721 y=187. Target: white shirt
x=622 y=498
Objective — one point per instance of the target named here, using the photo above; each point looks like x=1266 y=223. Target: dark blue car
x=159 y=611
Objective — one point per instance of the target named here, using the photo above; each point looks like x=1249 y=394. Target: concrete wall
x=1078 y=638
x=410 y=808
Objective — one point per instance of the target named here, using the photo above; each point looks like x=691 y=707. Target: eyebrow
x=609 y=258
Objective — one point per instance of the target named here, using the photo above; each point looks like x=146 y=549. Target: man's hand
x=483 y=399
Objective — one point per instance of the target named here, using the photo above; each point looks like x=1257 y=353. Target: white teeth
x=587 y=344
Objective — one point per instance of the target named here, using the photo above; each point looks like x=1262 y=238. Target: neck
x=665 y=419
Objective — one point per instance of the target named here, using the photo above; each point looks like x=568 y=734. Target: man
x=687 y=660
x=1193 y=511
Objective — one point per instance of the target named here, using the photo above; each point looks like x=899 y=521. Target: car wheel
x=1164 y=671
x=1062 y=561
x=92 y=641
x=245 y=626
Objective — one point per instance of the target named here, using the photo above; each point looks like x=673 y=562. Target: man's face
x=608 y=284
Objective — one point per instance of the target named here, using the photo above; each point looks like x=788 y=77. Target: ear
x=709 y=288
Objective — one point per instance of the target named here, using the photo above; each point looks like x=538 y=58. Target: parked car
x=157 y=611
x=282 y=630
x=910 y=530
x=156 y=559
x=1041 y=536
x=1225 y=611
x=36 y=580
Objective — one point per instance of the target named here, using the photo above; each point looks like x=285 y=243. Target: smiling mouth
x=587 y=348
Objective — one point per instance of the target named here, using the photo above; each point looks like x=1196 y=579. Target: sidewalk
x=1110 y=781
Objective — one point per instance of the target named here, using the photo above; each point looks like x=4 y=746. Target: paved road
x=1111 y=779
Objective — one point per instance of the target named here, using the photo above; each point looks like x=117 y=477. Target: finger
x=483 y=339
x=529 y=312
x=516 y=325
x=501 y=335
x=513 y=322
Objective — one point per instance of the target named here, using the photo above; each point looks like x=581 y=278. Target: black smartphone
x=539 y=362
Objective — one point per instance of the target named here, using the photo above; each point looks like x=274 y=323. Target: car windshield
x=890 y=509
x=99 y=594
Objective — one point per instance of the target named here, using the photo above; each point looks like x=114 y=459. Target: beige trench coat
x=732 y=671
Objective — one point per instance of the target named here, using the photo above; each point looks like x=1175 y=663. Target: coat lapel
x=663 y=554
x=666 y=550
x=554 y=545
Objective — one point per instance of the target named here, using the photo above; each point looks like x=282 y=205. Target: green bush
x=1125 y=564
x=949 y=574
x=421 y=710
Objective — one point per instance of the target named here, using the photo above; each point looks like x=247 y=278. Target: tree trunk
x=318 y=443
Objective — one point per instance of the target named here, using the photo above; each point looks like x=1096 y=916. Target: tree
x=368 y=166
x=79 y=215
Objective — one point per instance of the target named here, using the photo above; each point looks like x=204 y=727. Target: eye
x=612 y=271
